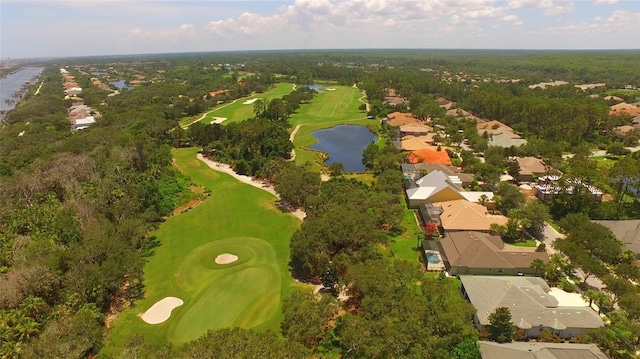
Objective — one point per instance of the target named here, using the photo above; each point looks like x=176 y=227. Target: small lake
x=344 y=144
x=121 y=84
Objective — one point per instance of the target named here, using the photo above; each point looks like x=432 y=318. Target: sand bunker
x=226 y=258
x=161 y=311
x=249 y=102
x=218 y=120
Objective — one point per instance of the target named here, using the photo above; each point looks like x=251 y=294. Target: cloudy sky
x=52 y=28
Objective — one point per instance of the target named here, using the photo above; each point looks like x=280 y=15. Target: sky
x=56 y=28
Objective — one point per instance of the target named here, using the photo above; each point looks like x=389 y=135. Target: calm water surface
x=344 y=144
x=13 y=82
x=120 y=84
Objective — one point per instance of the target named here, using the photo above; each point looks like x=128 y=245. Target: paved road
x=550 y=235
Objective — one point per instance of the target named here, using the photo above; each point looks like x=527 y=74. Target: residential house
x=415 y=129
x=460 y=113
x=438 y=187
x=550 y=186
x=434 y=187
x=505 y=141
x=530 y=168
x=429 y=156
x=537 y=350
x=399 y=119
x=444 y=103
x=586 y=87
x=464 y=215
x=495 y=127
x=624 y=108
x=532 y=304
x=412 y=143
x=613 y=98
x=623 y=130
x=473 y=252
x=83 y=123
x=393 y=98
x=543 y=85
x=417 y=170
x=626 y=231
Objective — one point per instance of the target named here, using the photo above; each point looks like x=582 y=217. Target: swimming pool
x=433 y=258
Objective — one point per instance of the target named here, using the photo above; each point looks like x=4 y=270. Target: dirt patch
x=195 y=202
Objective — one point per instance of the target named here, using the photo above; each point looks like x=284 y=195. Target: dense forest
x=76 y=208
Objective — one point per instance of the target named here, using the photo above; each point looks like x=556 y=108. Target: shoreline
x=225 y=168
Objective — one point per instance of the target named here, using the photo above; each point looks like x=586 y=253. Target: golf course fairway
x=236 y=219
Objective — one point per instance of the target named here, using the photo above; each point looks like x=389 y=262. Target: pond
x=344 y=144
x=121 y=84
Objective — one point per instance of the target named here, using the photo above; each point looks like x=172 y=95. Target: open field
x=236 y=219
x=327 y=109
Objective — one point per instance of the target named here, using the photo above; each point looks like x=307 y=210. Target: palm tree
x=538 y=266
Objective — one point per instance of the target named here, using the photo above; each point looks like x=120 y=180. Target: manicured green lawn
x=527 y=243
x=403 y=245
x=237 y=219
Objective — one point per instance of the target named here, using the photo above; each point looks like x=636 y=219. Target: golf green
x=244 y=293
x=235 y=219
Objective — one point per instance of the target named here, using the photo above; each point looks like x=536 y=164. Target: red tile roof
x=429 y=156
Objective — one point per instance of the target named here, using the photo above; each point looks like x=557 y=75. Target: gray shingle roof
x=527 y=298
x=522 y=350
x=626 y=231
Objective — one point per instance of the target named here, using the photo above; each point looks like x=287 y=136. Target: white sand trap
x=249 y=102
x=218 y=120
x=226 y=258
x=161 y=311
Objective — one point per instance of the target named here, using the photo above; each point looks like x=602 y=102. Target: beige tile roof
x=400 y=118
x=462 y=215
x=624 y=107
x=416 y=127
x=531 y=166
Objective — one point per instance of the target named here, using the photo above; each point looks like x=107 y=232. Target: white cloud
x=625 y=18
x=550 y=7
x=606 y=2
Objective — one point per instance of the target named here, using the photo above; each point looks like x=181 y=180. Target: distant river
x=344 y=144
x=12 y=83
